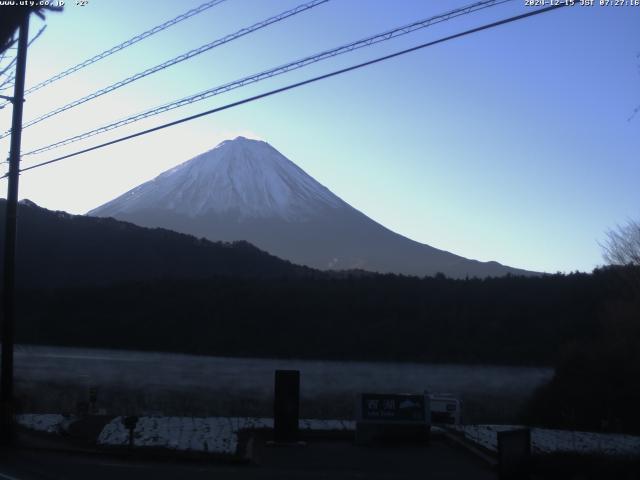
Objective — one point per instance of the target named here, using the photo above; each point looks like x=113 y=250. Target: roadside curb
x=471 y=448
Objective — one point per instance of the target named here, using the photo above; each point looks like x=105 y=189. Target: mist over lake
x=166 y=383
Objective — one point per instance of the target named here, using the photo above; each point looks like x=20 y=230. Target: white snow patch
x=557 y=441
x=45 y=422
x=196 y=434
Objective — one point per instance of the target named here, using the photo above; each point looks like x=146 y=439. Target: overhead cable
x=299 y=84
x=366 y=42
x=125 y=44
x=180 y=58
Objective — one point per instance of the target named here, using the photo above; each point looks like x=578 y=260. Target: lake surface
x=164 y=382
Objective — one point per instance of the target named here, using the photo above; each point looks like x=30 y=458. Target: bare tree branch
x=10 y=64
x=13 y=60
x=9 y=44
x=42 y=29
x=7 y=82
x=10 y=76
x=622 y=246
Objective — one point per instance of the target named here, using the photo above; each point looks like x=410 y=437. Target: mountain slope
x=247 y=178
x=56 y=249
x=246 y=190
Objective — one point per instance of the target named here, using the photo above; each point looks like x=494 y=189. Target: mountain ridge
x=246 y=190
x=58 y=249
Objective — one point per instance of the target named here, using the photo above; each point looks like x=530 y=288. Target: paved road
x=318 y=460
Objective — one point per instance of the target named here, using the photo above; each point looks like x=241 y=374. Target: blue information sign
x=393 y=408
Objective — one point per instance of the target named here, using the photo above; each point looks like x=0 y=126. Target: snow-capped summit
x=246 y=177
x=246 y=190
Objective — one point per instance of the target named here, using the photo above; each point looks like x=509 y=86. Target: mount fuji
x=246 y=190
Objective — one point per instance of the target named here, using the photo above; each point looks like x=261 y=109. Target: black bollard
x=286 y=405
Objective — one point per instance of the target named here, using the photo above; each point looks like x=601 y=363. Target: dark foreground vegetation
x=596 y=385
x=586 y=325
x=383 y=317
x=103 y=283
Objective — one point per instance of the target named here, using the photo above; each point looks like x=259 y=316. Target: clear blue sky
x=511 y=144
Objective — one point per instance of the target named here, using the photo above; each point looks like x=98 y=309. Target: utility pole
x=11 y=216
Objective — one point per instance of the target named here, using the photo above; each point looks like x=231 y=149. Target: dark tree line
x=596 y=385
x=510 y=320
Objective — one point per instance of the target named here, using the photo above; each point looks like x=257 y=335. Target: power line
x=180 y=58
x=125 y=44
x=374 y=39
x=300 y=84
